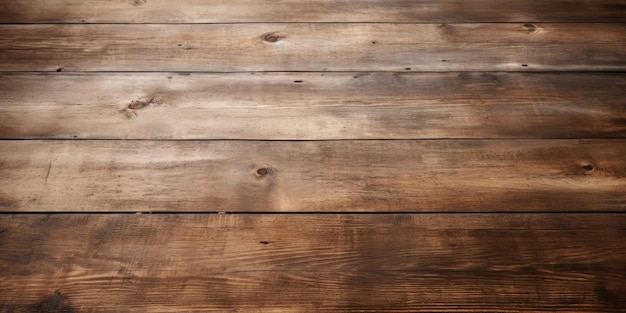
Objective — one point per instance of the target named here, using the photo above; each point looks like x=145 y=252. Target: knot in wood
x=588 y=168
x=271 y=38
x=139 y=104
x=263 y=171
x=530 y=27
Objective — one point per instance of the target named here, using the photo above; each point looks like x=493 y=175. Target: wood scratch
x=48 y=173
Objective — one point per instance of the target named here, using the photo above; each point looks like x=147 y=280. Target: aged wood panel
x=312 y=105
x=314 y=47
x=312 y=263
x=233 y=11
x=306 y=176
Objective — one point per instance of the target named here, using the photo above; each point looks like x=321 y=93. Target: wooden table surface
x=312 y=156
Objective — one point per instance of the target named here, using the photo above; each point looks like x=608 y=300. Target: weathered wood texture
x=313 y=263
x=330 y=176
x=314 y=47
x=233 y=11
x=505 y=210
x=312 y=105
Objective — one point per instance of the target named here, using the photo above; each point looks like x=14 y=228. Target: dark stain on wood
x=619 y=121
x=609 y=297
x=8 y=203
x=56 y=303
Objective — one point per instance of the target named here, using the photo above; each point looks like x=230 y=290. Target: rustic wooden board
x=314 y=47
x=233 y=11
x=306 y=176
x=313 y=263
x=312 y=105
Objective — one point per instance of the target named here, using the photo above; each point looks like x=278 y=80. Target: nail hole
x=265 y=242
x=589 y=167
x=297 y=81
x=262 y=171
x=525 y=65
x=373 y=42
x=60 y=69
x=407 y=68
x=271 y=38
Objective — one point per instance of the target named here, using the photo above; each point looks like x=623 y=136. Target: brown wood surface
x=312 y=105
x=235 y=11
x=380 y=155
x=314 y=47
x=313 y=263
x=313 y=176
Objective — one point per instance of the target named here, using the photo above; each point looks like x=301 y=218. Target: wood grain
x=313 y=263
x=314 y=47
x=487 y=200
x=312 y=106
x=238 y=11
x=313 y=176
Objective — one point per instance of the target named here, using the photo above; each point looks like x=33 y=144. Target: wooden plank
x=312 y=105
x=237 y=11
x=314 y=47
x=307 y=176
x=313 y=263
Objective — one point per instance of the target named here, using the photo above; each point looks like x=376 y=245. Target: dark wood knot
x=588 y=168
x=271 y=38
x=139 y=104
x=530 y=27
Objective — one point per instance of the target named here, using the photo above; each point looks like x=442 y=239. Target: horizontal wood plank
x=237 y=11
x=314 y=47
x=313 y=263
x=307 y=176
x=305 y=106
